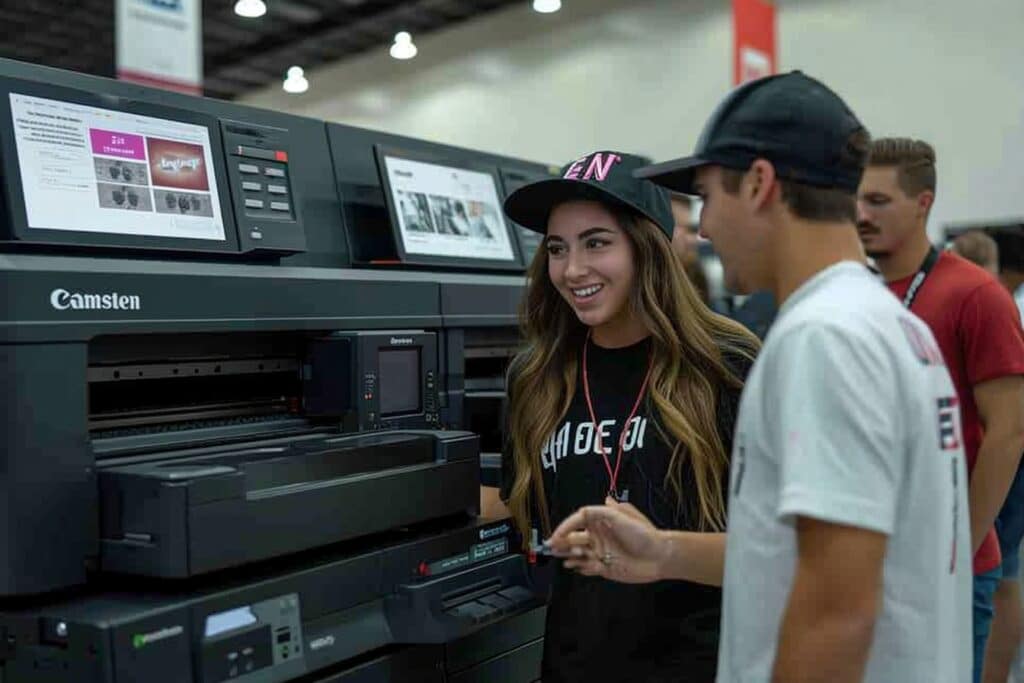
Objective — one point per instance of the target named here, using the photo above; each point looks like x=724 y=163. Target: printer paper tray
x=185 y=517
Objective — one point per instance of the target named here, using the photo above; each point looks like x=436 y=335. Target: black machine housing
x=198 y=427
x=454 y=591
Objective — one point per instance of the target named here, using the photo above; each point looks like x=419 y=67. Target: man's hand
x=614 y=541
x=1001 y=408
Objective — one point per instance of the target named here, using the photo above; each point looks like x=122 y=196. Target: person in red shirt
x=977 y=326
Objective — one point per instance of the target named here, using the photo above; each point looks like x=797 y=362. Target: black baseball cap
x=792 y=120
x=606 y=177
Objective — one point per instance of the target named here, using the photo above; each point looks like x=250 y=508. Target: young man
x=978 y=330
x=846 y=557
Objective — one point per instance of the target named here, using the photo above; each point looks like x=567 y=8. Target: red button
x=281 y=156
x=423 y=569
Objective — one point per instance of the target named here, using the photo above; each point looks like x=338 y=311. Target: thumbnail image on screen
x=399 y=381
x=447 y=211
x=88 y=169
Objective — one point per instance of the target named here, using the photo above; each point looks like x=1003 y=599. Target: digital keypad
x=270 y=198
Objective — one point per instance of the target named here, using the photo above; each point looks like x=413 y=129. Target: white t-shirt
x=849 y=416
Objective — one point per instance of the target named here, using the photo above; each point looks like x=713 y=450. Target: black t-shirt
x=598 y=630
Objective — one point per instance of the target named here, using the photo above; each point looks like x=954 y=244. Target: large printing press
x=252 y=364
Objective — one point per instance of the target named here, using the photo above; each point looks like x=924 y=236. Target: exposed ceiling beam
x=238 y=54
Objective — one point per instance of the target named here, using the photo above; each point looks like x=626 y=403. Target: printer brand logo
x=401 y=341
x=321 y=643
x=141 y=640
x=62 y=300
x=494 y=531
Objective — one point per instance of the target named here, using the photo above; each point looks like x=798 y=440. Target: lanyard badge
x=613 y=474
x=920 y=277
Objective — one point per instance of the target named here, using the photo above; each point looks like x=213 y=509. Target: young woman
x=627 y=387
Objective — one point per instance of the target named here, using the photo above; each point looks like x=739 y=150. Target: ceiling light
x=403 y=47
x=250 y=9
x=547 y=6
x=296 y=81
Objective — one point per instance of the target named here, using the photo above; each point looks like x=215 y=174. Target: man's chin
x=876 y=253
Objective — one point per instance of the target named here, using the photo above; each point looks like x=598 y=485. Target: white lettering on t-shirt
x=555 y=448
x=635 y=434
x=586 y=440
x=562 y=441
x=603 y=432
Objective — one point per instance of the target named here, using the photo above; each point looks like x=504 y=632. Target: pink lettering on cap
x=600 y=166
x=600 y=163
x=574 y=171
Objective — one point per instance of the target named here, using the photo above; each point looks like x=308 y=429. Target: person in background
x=847 y=553
x=757 y=312
x=684 y=243
x=1010 y=241
x=1004 y=651
x=979 y=249
x=978 y=330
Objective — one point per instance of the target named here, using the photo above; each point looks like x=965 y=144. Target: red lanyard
x=613 y=475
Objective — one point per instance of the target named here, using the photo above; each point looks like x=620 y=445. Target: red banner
x=753 y=40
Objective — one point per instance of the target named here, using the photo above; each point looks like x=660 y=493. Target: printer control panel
x=244 y=643
x=260 y=174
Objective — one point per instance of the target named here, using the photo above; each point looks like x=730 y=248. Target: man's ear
x=924 y=203
x=761 y=183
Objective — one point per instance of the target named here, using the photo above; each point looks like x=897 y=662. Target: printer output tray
x=185 y=514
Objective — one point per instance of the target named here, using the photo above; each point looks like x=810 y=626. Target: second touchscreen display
x=448 y=211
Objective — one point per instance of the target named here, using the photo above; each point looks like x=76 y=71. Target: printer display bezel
x=18 y=229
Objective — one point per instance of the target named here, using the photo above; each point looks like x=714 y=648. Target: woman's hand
x=615 y=541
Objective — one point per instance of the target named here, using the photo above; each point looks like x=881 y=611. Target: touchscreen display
x=447 y=211
x=99 y=170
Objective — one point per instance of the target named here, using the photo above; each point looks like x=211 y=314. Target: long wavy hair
x=688 y=374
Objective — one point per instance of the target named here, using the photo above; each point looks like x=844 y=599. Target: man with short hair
x=978 y=330
x=979 y=249
x=846 y=557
